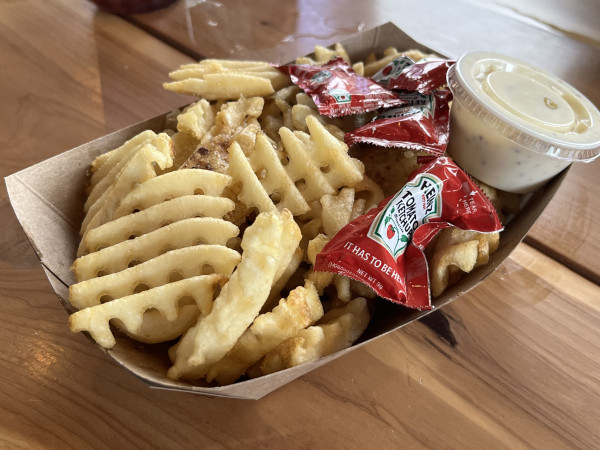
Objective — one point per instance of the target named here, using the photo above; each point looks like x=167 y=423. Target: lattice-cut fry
x=487 y=242
x=463 y=256
x=197 y=119
x=177 y=264
x=232 y=115
x=103 y=164
x=155 y=217
x=98 y=186
x=337 y=210
x=172 y=185
x=331 y=155
x=138 y=169
x=130 y=310
x=259 y=69
x=370 y=191
x=337 y=330
x=324 y=54
x=299 y=113
x=268 y=246
x=311 y=182
x=252 y=193
x=185 y=233
x=282 y=190
x=184 y=146
x=228 y=64
x=300 y=309
x=156 y=328
x=359 y=68
x=320 y=279
x=290 y=270
x=226 y=86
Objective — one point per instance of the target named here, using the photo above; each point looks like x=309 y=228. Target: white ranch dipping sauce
x=514 y=126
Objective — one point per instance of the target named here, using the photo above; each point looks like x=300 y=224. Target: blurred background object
x=132 y=6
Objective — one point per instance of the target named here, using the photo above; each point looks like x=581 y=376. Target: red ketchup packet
x=423 y=124
x=404 y=74
x=384 y=248
x=338 y=91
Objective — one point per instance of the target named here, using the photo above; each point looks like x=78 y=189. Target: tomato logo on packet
x=339 y=91
x=417 y=203
x=384 y=248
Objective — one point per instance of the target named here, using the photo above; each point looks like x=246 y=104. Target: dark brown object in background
x=132 y=6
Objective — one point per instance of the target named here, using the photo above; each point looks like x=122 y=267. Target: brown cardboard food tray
x=48 y=201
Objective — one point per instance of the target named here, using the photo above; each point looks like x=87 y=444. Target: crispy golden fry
x=324 y=54
x=463 y=256
x=320 y=279
x=139 y=168
x=197 y=119
x=331 y=154
x=337 y=210
x=279 y=285
x=156 y=328
x=213 y=66
x=184 y=146
x=177 y=264
x=268 y=246
x=103 y=164
x=172 y=185
x=337 y=330
x=252 y=193
x=301 y=169
x=130 y=310
x=301 y=309
x=217 y=86
x=185 y=233
x=103 y=178
x=456 y=251
x=155 y=217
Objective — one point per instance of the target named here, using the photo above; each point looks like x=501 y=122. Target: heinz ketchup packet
x=423 y=124
x=384 y=248
x=404 y=74
x=338 y=91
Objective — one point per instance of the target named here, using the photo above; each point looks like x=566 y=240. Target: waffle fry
x=155 y=217
x=300 y=309
x=172 y=185
x=268 y=245
x=215 y=86
x=138 y=168
x=458 y=251
x=177 y=264
x=215 y=66
x=130 y=310
x=185 y=233
x=197 y=119
x=337 y=330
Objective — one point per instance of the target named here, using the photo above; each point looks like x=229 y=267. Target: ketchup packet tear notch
x=339 y=91
x=384 y=248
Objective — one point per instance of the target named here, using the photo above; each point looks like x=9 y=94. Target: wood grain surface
x=515 y=363
x=280 y=31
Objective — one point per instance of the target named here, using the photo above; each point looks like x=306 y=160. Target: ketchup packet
x=384 y=248
x=338 y=91
x=423 y=124
x=404 y=74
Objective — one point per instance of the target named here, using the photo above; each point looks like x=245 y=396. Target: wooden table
x=514 y=363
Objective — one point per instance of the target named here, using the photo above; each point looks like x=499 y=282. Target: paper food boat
x=48 y=201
